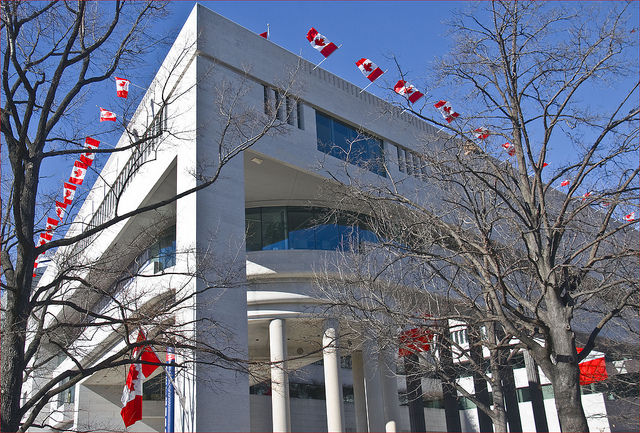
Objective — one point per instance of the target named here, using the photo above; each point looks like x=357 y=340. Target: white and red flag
x=408 y=90
x=107 y=115
x=69 y=191
x=87 y=158
x=444 y=107
x=630 y=217
x=320 y=43
x=369 y=69
x=46 y=236
x=138 y=372
x=511 y=150
x=565 y=183
x=481 y=133
x=61 y=208
x=52 y=223
x=78 y=173
x=122 y=87
x=91 y=143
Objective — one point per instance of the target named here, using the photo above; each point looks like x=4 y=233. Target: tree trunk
x=566 y=390
x=12 y=348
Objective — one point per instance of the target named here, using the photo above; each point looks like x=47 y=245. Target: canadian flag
x=586 y=195
x=52 y=223
x=138 y=372
x=481 y=133
x=630 y=217
x=107 y=115
x=46 y=236
x=78 y=173
x=122 y=87
x=444 y=107
x=91 y=143
x=402 y=88
x=565 y=182
x=68 y=192
x=369 y=69
x=511 y=150
x=593 y=368
x=87 y=158
x=320 y=43
x=61 y=208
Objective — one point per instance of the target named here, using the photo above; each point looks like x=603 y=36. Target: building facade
x=261 y=217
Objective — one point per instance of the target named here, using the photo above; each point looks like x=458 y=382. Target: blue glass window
x=338 y=139
x=303 y=228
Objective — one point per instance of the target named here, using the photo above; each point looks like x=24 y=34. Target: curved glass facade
x=303 y=228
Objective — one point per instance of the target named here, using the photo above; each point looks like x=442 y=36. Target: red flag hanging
x=444 y=107
x=132 y=393
x=511 y=150
x=320 y=43
x=405 y=89
x=69 y=192
x=630 y=217
x=414 y=340
x=60 y=209
x=369 y=69
x=91 y=143
x=107 y=115
x=481 y=133
x=87 y=158
x=565 y=182
x=46 y=236
x=78 y=173
x=52 y=223
x=265 y=35
x=122 y=87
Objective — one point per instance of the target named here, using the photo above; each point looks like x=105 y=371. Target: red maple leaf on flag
x=319 y=42
x=408 y=90
x=133 y=375
x=77 y=172
x=367 y=67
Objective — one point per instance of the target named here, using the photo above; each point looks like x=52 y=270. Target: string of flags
x=78 y=172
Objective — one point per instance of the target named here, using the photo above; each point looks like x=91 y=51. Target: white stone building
x=270 y=190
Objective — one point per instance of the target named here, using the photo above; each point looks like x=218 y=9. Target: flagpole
x=175 y=387
x=365 y=87
x=319 y=63
x=324 y=59
x=169 y=405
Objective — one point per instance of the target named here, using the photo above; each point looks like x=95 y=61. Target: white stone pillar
x=332 y=380
x=373 y=387
x=359 y=398
x=279 y=379
x=389 y=391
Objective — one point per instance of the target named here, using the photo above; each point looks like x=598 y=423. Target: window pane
x=274 y=229
x=253 y=227
x=323 y=132
x=301 y=229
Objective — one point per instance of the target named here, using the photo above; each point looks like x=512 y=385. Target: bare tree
x=489 y=229
x=47 y=73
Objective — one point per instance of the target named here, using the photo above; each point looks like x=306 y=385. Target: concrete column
x=414 y=393
x=389 y=391
x=279 y=379
x=359 y=398
x=373 y=387
x=332 y=380
x=535 y=391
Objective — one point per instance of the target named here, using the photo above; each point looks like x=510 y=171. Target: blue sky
x=413 y=31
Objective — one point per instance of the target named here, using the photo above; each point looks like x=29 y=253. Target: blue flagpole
x=169 y=400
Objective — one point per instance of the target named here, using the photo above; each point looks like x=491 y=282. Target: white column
x=389 y=391
x=279 y=379
x=332 y=381
x=373 y=387
x=359 y=398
